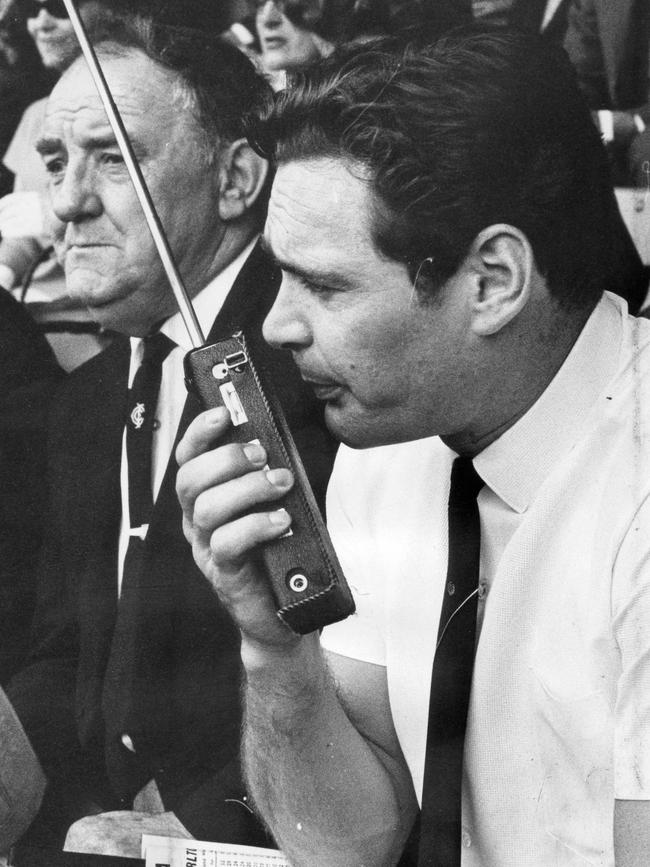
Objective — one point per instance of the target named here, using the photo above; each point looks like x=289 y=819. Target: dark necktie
x=440 y=831
x=142 y=401
x=123 y=768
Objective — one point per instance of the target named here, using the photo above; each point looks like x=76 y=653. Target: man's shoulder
x=94 y=384
x=24 y=352
x=250 y=298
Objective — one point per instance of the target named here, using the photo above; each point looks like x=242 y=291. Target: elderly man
x=132 y=687
x=444 y=255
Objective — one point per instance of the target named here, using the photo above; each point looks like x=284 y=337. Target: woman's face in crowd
x=51 y=30
x=284 y=44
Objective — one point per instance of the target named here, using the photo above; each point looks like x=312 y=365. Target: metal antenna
x=153 y=220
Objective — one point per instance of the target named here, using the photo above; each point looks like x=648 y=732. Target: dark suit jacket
x=183 y=713
x=28 y=372
x=607 y=43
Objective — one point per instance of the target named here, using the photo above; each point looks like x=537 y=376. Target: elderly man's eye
x=54 y=166
x=112 y=159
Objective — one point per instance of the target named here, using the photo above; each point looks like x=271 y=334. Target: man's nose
x=43 y=19
x=287 y=324
x=75 y=197
x=269 y=15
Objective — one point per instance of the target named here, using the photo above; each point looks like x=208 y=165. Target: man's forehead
x=325 y=192
x=138 y=85
x=320 y=215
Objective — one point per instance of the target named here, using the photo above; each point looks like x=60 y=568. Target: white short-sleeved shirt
x=559 y=720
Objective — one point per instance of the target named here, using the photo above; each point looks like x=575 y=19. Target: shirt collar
x=518 y=462
x=207 y=305
x=208 y=302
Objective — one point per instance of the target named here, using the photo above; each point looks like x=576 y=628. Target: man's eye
x=112 y=159
x=55 y=166
x=320 y=288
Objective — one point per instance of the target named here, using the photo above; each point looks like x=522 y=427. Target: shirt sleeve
x=631 y=625
x=22 y=782
x=359 y=636
x=20 y=157
x=13 y=157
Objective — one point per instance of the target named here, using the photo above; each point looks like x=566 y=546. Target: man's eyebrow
x=46 y=145
x=50 y=144
x=316 y=278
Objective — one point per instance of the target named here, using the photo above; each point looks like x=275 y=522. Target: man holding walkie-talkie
x=445 y=225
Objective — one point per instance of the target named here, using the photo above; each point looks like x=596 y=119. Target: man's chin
x=105 y=313
x=364 y=431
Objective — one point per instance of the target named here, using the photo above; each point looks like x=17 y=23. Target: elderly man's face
x=388 y=366
x=110 y=260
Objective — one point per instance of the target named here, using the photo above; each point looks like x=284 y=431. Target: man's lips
x=79 y=246
x=87 y=244
x=323 y=389
x=273 y=41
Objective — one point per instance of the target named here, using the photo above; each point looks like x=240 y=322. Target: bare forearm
x=328 y=795
x=332 y=786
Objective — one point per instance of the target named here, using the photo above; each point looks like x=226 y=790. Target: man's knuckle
x=204 y=515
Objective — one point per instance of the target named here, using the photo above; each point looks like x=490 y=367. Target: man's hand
x=120 y=833
x=22 y=215
x=218 y=490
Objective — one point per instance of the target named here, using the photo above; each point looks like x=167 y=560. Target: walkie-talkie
x=302 y=568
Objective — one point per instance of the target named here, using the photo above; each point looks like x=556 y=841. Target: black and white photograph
x=324 y=433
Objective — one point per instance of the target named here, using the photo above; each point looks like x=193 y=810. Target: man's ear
x=501 y=261
x=242 y=174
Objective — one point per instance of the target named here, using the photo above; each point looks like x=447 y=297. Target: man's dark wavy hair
x=481 y=127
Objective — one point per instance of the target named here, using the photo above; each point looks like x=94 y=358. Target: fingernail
x=279 y=478
x=280 y=518
x=255 y=454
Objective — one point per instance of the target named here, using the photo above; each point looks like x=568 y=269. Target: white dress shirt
x=559 y=720
x=172 y=394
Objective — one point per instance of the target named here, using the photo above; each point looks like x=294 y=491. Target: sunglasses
x=56 y=8
x=304 y=13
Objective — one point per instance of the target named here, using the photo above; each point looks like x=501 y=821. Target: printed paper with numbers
x=170 y=852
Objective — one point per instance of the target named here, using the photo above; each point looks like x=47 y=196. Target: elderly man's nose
x=75 y=197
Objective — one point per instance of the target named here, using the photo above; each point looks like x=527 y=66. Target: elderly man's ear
x=242 y=174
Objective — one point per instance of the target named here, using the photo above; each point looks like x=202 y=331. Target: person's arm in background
x=22 y=230
x=22 y=782
x=323 y=761
x=619 y=122
x=582 y=44
x=25 y=212
x=43 y=690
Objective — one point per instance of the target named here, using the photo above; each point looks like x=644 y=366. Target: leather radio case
x=302 y=568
